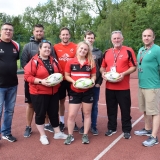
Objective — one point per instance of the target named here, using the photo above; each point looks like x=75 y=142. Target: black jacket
x=97 y=55
x=30 y=49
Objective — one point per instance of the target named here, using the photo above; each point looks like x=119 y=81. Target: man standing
x=97 y=55
x=119 y=59
x=29 y=50
x=149 y=86
x=9 y=54
x=64 y=51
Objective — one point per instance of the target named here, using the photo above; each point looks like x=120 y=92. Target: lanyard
x=115 y=56
x=144 y=53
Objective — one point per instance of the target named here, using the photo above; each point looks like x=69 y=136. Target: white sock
x=62 y=119
x=44 y=136
x=47 y=124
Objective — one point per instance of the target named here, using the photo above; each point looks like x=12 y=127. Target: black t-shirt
x=8 y=64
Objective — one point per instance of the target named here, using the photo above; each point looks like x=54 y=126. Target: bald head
x=148 y=37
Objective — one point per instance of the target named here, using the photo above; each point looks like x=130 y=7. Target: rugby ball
x=55 y=79
x=112 y=76
x=83 y=83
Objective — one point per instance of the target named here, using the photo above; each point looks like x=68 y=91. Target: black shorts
x=76 y=98
x=27 y=94
x=65 y=87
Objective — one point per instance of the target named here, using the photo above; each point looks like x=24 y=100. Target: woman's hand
x=46 y=83
x=93 y=83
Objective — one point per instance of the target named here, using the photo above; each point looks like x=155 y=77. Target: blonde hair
x=89 y=54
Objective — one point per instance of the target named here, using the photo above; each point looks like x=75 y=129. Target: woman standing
x=44 y=97
x=82 y=66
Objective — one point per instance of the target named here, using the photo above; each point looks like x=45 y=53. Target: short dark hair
x=44 y=41
x=64 y=28
x=38 y=25
x=89 y=33
x=7 y=23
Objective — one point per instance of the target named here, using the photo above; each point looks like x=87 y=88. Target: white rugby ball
x=55 y=79
x=112 y=76
x=83 y=83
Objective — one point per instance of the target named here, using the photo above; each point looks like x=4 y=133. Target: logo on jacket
x=1 y=51
x=74 y=68
x=14 y=50
x=88 y=68
x=65 y=57
x=120 y=56
x=72 y=50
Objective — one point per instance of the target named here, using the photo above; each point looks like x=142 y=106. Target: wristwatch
x=40 y=82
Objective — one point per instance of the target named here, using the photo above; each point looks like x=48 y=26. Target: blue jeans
x=7 y=100
x=94 y=113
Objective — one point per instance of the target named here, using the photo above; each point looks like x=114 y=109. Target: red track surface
x=32 y=149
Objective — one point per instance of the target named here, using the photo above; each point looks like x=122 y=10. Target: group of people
x=40 y=59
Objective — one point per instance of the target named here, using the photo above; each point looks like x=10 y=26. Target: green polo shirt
x=149 y=69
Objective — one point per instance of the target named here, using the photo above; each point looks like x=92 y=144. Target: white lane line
x=115 y=141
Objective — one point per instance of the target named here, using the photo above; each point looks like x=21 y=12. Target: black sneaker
x=76 y=129
x=81 y=130
x=49 y=128
x=94 y=130
x=127 y=135
x=10 y=138
x=61 y=126
x=27 y=131
x=110 y=133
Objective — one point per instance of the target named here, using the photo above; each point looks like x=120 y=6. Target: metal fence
x=102 y=45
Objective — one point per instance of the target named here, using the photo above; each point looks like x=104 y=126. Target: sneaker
x=110 y=132
x=60 y=135
x=61 y=126
x=143 y=132
x=28 y=131
x=49 y=128
x=10 y=138
x=127 y=135
x=81 y=130
x=94 y=130
x=69 y=139
x=85 y=139
x=76 y=129
x=44 y=140
x=151 y=141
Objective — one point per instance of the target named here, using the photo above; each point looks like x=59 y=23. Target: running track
x=100 y=147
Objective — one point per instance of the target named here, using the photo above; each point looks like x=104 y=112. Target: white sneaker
x=60 y=135
x=44 y=140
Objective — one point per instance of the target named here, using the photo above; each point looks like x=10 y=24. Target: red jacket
x=36 y=69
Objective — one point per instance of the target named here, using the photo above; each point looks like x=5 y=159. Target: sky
x=16 y=7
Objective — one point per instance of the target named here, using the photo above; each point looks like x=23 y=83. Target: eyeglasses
x=7 y=29
x=45 y=41
x=116 y=32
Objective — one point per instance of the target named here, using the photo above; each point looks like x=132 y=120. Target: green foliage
x=100 y=16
